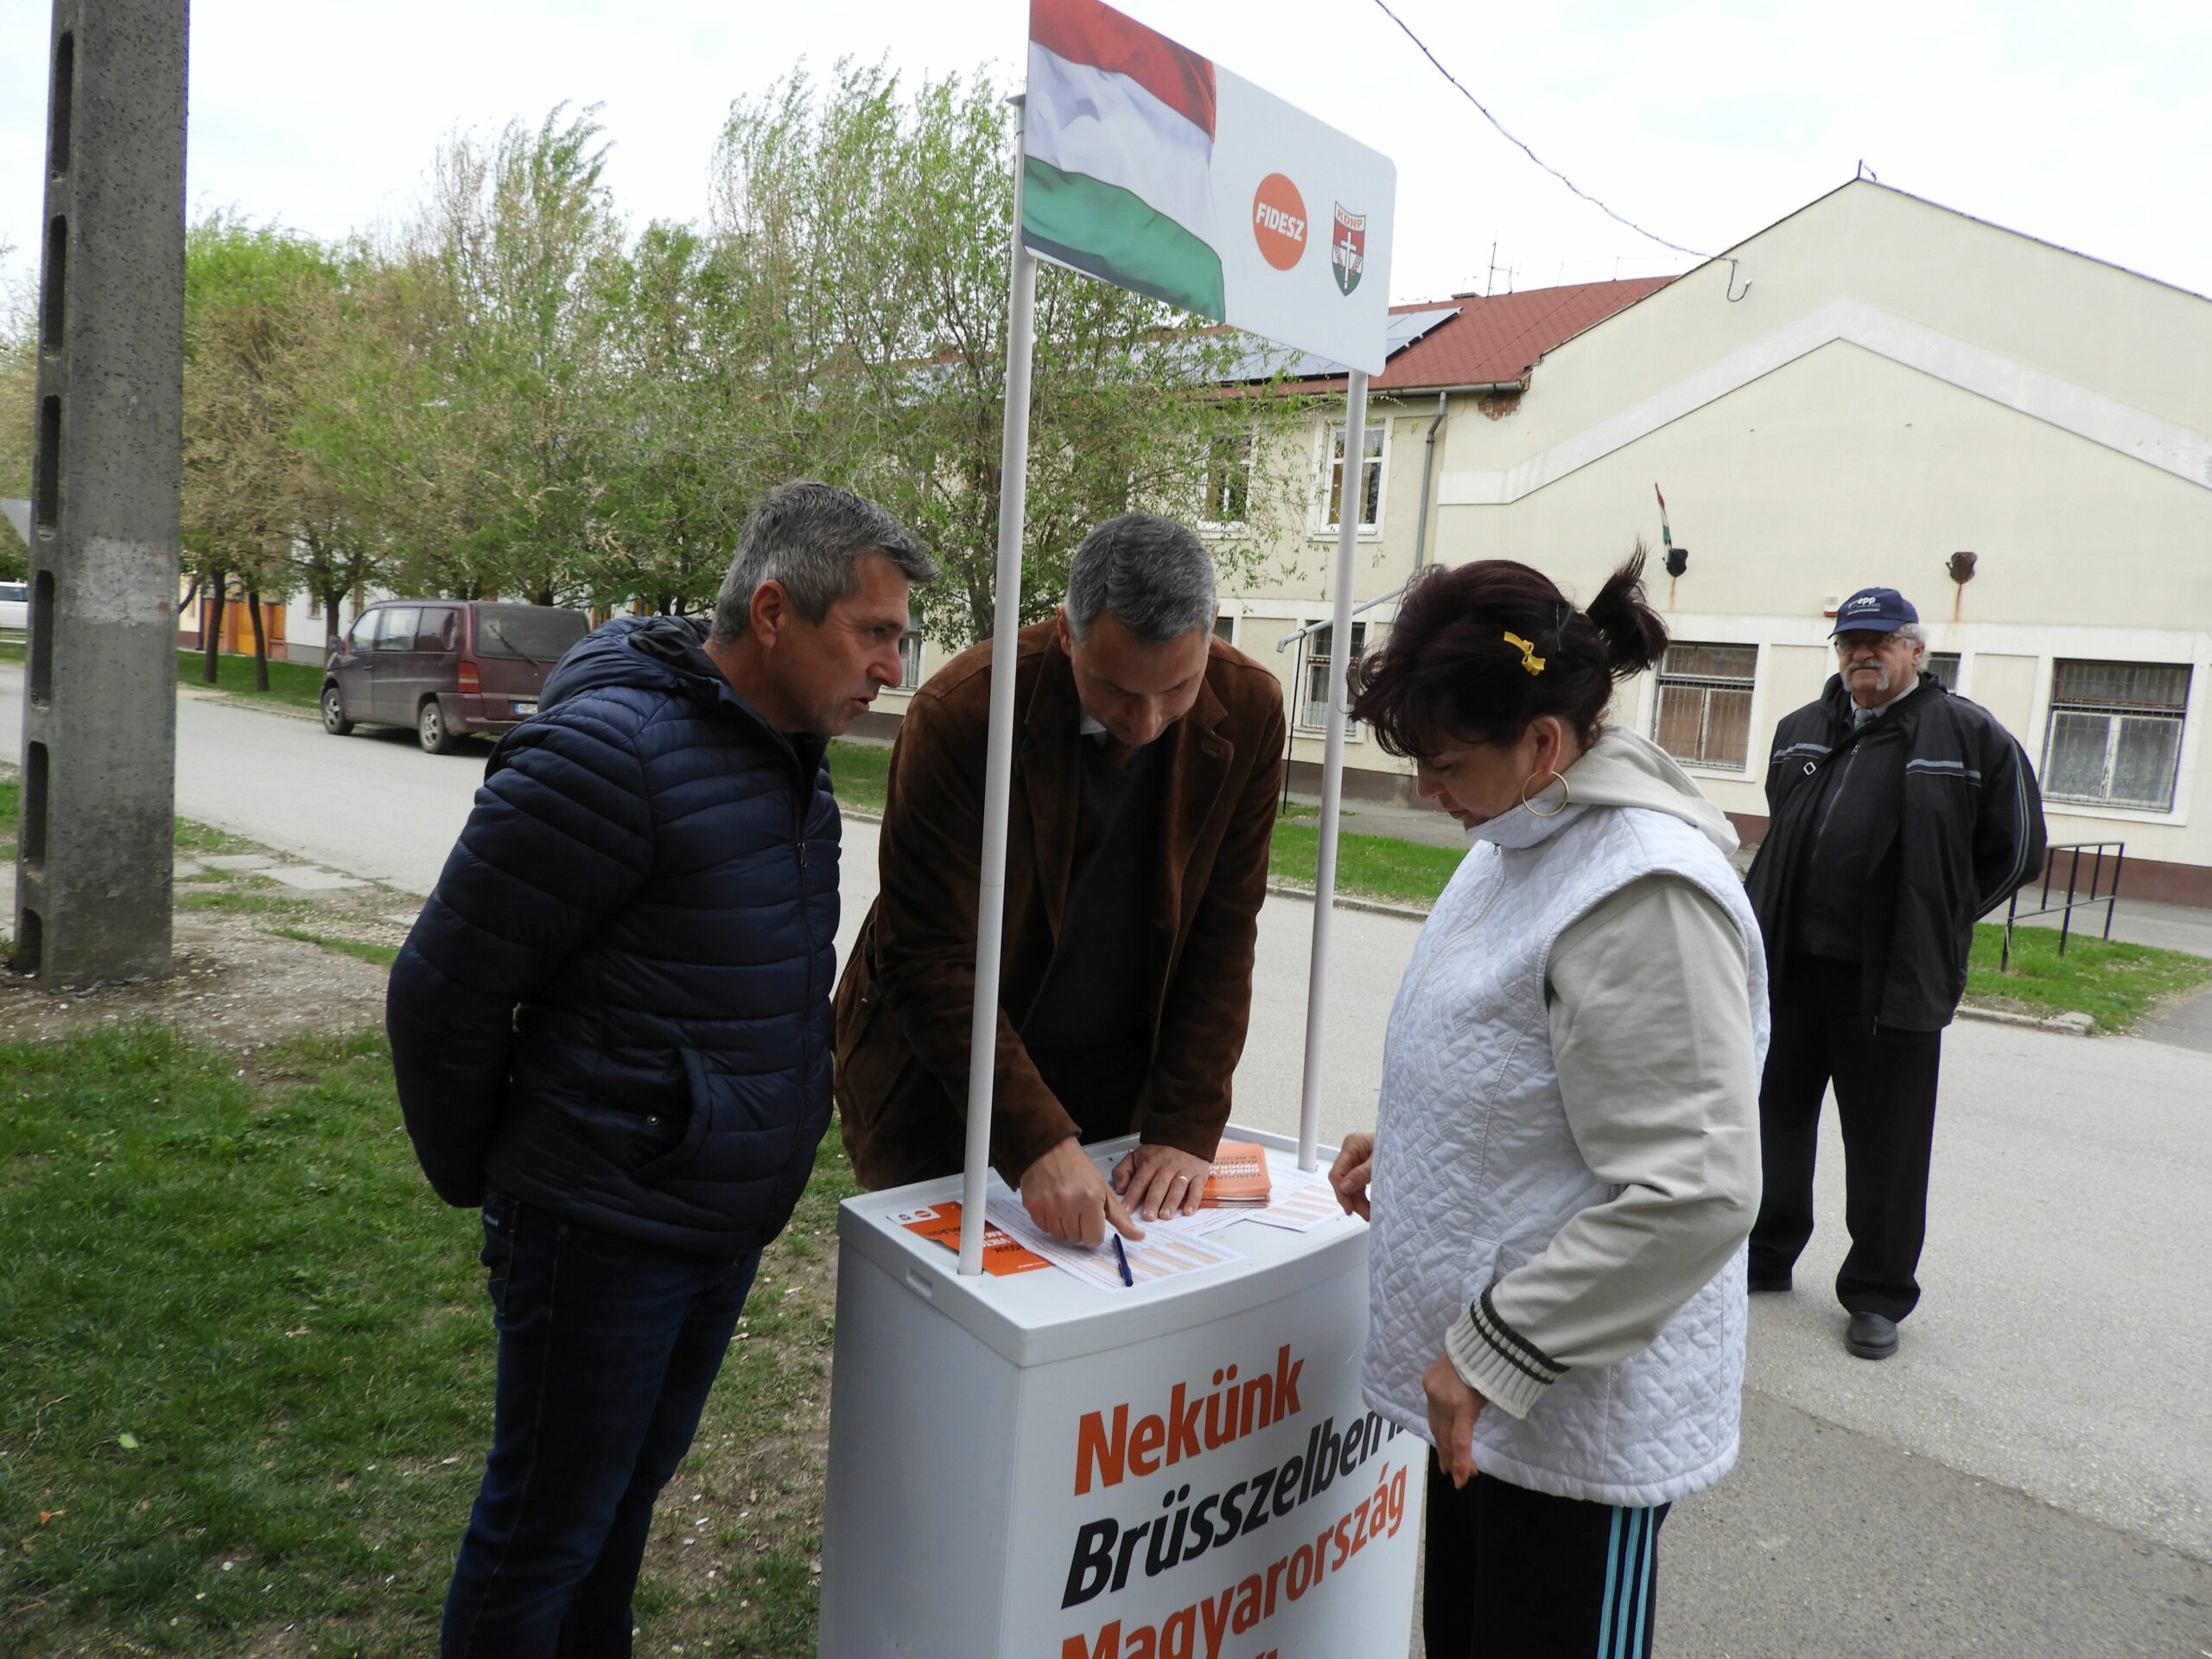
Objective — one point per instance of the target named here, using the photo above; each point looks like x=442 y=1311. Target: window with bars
x=1705 y=703
x=1228 y=481
x=2114 y=738
x=1369 y=482
x=1944 y=666
x=910 y=662
x=1314 y=680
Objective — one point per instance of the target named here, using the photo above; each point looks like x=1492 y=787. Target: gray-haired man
x=1145 y=772
x=611 y=1026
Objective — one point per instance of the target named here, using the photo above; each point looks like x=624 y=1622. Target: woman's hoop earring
x=1567 y=796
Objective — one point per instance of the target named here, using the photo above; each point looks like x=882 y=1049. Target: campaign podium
x=1032 y=1465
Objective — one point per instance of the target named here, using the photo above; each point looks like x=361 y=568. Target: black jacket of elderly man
x=1899 y=812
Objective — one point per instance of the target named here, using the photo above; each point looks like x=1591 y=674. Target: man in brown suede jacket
x=1147 y=758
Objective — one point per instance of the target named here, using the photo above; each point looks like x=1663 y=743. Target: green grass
x=1371 y=867
x=298 y=685
x=2114 y=984
x=248 y=1375
x=382 y=955
x=246 y=1370
x=11 y=813
x=858 y=772
x=200 y=838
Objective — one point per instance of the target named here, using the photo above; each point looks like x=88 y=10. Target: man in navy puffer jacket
x=611 y=1029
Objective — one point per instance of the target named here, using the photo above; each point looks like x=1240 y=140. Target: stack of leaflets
x=1239 y=1177
x=1002 y=1254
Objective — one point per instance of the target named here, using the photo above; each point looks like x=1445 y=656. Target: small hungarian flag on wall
x=1119 y=179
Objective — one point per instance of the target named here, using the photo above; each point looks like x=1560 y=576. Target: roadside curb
x=216 y=694
x=1373 y=906
x=2074 y=1024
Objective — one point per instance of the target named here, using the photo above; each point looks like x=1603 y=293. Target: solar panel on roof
x=1406 y=327
x=1262 y=361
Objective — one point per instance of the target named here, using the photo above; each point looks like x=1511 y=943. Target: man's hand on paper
x=1349 y=1174
x=1067 y=1196
x=1156 y=1181
x=1453 y=1409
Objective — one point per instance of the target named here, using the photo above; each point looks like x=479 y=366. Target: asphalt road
x=2031 y=1476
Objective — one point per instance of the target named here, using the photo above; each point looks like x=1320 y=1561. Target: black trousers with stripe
x=1509 y=1573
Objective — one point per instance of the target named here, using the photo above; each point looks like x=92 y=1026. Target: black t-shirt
x=1088 y=1030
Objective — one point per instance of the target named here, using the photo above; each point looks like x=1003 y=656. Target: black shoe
x=1872 y=1337
x=1761 y=1284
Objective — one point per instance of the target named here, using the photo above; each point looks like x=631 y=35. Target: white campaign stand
x=996 y=1441
x=1031 y=1466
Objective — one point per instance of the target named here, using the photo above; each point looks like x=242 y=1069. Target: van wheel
x=431 y=731
x=334 y=712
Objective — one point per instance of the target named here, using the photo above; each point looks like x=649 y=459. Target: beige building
x=1856 y=396
x=1859 y=395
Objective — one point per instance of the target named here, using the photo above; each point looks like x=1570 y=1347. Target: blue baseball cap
x=1874 y=610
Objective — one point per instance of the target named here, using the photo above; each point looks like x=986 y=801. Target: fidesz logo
x=1279 y=222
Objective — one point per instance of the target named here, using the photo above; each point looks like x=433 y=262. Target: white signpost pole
x=1350 y=489
x=998 y=769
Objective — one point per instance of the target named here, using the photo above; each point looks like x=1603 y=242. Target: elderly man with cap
x=1897 y=813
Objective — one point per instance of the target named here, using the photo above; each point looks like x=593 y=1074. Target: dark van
x=445 y=666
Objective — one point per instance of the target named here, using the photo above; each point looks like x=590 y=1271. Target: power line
x=1524 y=150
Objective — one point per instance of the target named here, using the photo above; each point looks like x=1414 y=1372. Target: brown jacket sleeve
x=930 y=854
x=1209 y=998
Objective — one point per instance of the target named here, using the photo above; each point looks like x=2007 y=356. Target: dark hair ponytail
x=1634 y=636
x=1454 y=668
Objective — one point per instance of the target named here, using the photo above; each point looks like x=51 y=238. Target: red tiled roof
x=1500 y=338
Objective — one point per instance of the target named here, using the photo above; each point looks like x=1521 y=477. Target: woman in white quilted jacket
x=1565 y=1162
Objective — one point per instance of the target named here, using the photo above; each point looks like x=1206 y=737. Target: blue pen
x=1121 y=1256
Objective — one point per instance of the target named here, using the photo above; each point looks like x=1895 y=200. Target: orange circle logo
x=1279 y=222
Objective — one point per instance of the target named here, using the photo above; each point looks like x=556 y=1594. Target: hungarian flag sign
x=1154 y=168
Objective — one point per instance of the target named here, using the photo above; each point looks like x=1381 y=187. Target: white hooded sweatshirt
x=1567 y=1157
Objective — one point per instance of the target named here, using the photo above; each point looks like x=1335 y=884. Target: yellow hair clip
x=1529 y=660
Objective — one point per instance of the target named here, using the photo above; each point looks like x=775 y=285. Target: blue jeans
x=606 y=1349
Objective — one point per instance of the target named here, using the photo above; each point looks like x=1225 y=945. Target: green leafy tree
x=254 y=347
x=489 y=347
x=867 y=231
x=686 y=395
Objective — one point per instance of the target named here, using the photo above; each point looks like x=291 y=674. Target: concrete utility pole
x=99 y=713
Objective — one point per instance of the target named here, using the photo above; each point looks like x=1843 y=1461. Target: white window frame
x=1709 y=682
x=912 y=654
x=1958 y=667
x=1225 y=628
x=1208 y=505
x=2113 y=715
x=1332 y=435
x=1311 y=714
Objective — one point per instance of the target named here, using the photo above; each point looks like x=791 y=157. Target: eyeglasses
x=1848 y=643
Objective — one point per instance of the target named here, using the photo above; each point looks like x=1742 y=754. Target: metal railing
x=2074 y=899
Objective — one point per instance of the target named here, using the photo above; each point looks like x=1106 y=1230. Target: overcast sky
x=1703 y=120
